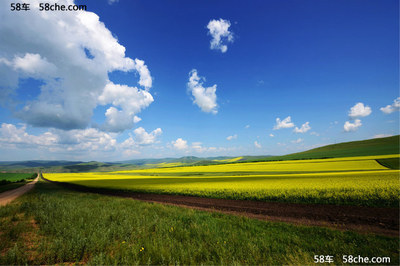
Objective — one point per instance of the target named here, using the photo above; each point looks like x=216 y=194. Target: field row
x=357 y=181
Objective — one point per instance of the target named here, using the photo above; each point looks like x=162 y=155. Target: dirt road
x=383 y=221
x=8 y=196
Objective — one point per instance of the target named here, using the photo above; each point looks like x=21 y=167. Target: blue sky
x=140 y=79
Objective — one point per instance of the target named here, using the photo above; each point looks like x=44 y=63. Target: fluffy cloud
x=395 y=106
x=348 y=126
x=57 y=140
x=53 y=47
x=285 y=123
x=144 y=138
x=271 y=135
x=180 y=144
x=231 y=137
x=90 y=141
x=205 y=98
x=219 y=31
x=257 y=145
x=304 y=128
x=359 y=110
x=131 y=100
x=247 y=126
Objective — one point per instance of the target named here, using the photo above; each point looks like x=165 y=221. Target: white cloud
x=197 y=147
x=131 y=100
x=257 y=145
x=297 y=140
x=247 y=126
x=304 y=128
x=136 y=119
x=271 y=135
x=205 y=98
x=377 y=136
x=285 y=123
x=144 y=74
x=219 y=31
x=53 y=47
x=57 y=140
x=86 y=143
x=314 y=133
x=31 y=65
x=144 y=138
x=359 y=110
x=180 y=144
x=348 y=126
x=395 y=106
x=231 y=137
x=110 y=2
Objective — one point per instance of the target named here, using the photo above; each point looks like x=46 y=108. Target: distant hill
x=379 y=146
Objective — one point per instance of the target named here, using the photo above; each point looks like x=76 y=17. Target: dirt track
x=8 y=196
x=383 y=221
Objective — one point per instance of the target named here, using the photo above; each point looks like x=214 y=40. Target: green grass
x=9 y=181
x=52 y=225
x=392 y=163
x=13 y=185
x=16 y=177
x=379 y=146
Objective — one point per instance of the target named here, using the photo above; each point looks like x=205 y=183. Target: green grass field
x=51 y=225
x=10 y=181
x=351 y=180
x=16 y=177
x=378 y=146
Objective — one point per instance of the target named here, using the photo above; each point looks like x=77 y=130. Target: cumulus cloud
x=57 y=140
x=205 y=98
x=89 y=141
x=359 y=110
x=247 y=126
x=395 y=106
x=257 y=145
x=219 y=31
x=304 y=128
x=348 y=126
x=144 y=138
x=130 y=100
x=231 y=137
x=271 y=135
x=52 y=47
x=285 y=123
x=180 y=144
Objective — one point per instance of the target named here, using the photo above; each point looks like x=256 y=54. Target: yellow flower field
x=356 y=180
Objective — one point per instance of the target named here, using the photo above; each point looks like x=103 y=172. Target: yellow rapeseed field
x=356 y=180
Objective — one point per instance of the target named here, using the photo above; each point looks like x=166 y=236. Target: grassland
x=351 y=180
x=378 y=146
x=51 y=225
x=10 y=181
